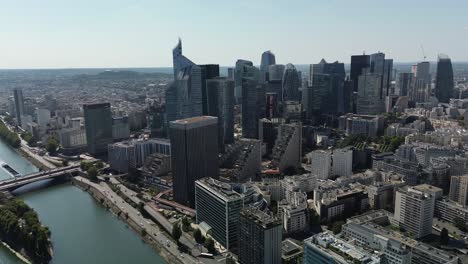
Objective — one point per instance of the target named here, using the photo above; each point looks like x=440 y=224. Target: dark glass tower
x=358 y=63
x=208 y=71
x=98 y=124
x=194 y=155
x=220 y=99
x=444 y=79
x=253 y=107
x=291 y=84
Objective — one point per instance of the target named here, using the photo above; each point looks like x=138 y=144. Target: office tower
x=271 y=106
x=157 y=120
x=358 y=64
x=208 y=71
x=260 y=235
x=325 y=93
x=179 y=61
x=414 y=210
x=321 y=164
x=220 y=103
x=171 y=103
x=189 y=94
x=121 y=156
x=42 y=117
x=244 y=69
x=275 y=72
x=218 y=206
x=253 y=107
x=98 y=124
x=230 y=72
x=268 y=58
x=377 y=63
x=444 y=79
x=420 y=89
x=369 y=100
x=404 y=82
x=291 y=84
x=194 y=155
x=387 y=78
x=120 y=128
x=459 y=189
x=19 y=105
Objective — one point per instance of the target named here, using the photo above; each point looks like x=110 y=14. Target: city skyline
x=56 y=34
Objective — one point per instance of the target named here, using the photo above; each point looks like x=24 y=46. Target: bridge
x=17 y=182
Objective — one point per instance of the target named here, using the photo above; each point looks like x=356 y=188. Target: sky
x=142 y=33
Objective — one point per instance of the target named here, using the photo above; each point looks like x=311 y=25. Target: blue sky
x=141 y=33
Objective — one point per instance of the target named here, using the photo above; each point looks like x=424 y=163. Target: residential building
x=459 y=189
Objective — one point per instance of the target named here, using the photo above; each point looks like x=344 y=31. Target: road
x=152 y=229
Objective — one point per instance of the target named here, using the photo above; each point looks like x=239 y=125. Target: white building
x=321 y=161
x=330 y=163
x=342 y=162
x=43 y=117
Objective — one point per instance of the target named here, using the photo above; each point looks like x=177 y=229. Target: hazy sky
x=141 y=33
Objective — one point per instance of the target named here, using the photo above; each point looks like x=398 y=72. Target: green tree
x=230 y=260
x=444 y=236
x=99 y=165
x=185 y=224
x=336 y=227
x=209 y=245
x=197 y=234
x=51 y=145
x=92 y=173
x=64 y=162
x=460 y=223
x=176 y=232
x=143 y=232
x=85 y=165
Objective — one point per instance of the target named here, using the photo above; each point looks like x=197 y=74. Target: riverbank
x=131 y=217
x=31 y=158
x=16 y=253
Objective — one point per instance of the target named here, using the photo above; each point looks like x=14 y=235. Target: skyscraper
x=291 y=84
x=421 y=83
x=220 y=103
x=369 y=101
x=98 y=124
x=189 y=92
x=194 y=155
x=387 y=78
x=179 y=60
x=271 y=106
x=444 y=79
x=219 y=206
x=244 y=68
x=403 y=84
x=253 y=107
x=358 y=63
x=276 y=72
x=208 y=71
x=268 y=58
x=260 y=235
x=19 y=104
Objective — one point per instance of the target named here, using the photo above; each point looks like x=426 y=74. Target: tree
x=460 y=223
x=185 y=224
x=230 y=260
x=51 y=145
x=64 y=162
x=444 y=236
x=336 y=227
x=99 y=165
x=92 y=173
x=85 y=165
x=198 y=236
x=176 y=232
x=209 y=245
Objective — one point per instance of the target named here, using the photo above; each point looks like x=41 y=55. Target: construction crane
x=423 y=53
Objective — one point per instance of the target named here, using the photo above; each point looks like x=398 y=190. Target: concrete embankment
x=31 y=158
x=106 y=202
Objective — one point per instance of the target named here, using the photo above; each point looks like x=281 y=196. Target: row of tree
x=21 y=229
x=8 y=136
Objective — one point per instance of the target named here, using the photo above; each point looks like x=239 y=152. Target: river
x=82 y=230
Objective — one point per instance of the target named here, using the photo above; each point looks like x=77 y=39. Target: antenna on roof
x=423 y=53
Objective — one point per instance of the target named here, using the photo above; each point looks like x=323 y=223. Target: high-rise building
x=358 y=64
x=271 y=106
x=120 y=128
x=403 y=84
x=208 y=71
x=194 y=155
x=220 y=103
x=291 y=84
x=414 y=210
x=260 y=235
x=98 y=124
x=444 y=79
x=321 y=164
x=369 y=100
x=171 y=103
x=253 y=107
x=244 y=69
x=189 y=94
x=268 y=58
x=179 y=60
x=19 y=104
x=275 y=72
x=219 y=206
x=459 y=189
x=387 y=78
x=420 y=89
x=342 y=162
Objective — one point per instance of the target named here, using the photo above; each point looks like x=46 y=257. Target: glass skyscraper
x=291 y=84
x=444 y=79
x=98 y=124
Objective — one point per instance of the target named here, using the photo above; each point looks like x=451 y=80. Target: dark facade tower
x=253 y=107
x=208 y=71
x=220 y=99
x=358 y=63
x=291 y=84
x=194 y=155
x=444 y=79
x=271 y=105
x=268 y=58
x=98 y=124
x=19 y=105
